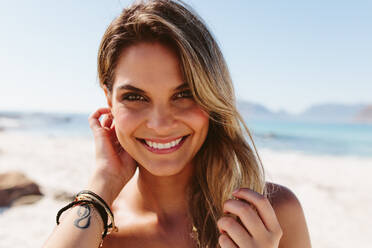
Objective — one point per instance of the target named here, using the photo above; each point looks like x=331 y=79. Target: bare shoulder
x=281 y=196
x=290 y=215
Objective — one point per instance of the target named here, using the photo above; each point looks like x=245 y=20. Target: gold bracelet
x=97 y=216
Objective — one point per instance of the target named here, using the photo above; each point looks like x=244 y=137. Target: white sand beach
x=335 y=192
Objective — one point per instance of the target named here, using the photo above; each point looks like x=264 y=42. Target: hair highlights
x=225 y=161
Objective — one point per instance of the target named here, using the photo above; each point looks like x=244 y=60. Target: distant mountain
x=332 y=112
x=252 y=110
x=364 y=115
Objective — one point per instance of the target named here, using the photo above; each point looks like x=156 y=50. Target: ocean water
x=314 y=138
x=340 y=139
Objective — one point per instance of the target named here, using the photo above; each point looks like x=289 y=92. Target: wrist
x=102 y=187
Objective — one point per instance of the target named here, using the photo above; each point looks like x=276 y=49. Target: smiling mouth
x=164 y=147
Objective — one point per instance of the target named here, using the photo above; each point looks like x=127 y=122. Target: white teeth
x=163 y=145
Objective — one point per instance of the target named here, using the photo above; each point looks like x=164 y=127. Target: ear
x=108 y=96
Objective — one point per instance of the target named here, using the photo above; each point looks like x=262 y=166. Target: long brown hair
x=226 y=160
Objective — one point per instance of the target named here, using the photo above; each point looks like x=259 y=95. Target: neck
x=166 y=197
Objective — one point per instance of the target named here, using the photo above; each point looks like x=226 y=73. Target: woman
x=172 y=117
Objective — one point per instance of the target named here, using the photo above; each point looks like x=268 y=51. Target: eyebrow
x=133 y=88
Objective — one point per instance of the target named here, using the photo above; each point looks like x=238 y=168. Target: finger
x=100 y=134
x=93 y=119
x=107 y=121
x=263 y=206
x=226 y=242
x=235 y=230
x=247 y=215
x=113 y=123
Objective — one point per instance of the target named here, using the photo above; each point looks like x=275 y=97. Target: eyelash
x=133 y=97
x=136 y=97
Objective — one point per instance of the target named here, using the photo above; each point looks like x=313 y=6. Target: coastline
x=333 y=190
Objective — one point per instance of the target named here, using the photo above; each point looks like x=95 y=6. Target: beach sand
x=335 y=192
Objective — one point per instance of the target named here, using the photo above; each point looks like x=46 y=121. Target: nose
x=161 y=120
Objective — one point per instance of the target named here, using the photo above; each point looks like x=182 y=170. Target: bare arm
x=82 y=227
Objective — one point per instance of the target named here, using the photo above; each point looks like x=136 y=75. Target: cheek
x=126 y=121
x=196 y=117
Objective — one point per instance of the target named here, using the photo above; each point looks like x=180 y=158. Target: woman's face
x=156 y=118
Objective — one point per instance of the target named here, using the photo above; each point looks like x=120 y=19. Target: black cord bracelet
x=101 y=210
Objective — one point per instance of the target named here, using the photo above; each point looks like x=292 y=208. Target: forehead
x=148 y=65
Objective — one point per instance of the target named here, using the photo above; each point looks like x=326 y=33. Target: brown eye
x=184 y=94
x=133 y=97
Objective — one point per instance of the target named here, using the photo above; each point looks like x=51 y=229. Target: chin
x=165 y=168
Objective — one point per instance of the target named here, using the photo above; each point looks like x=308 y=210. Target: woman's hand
x=115 y=166
x=257 y=229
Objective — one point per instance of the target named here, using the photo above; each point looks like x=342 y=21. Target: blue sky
x=283 y=54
